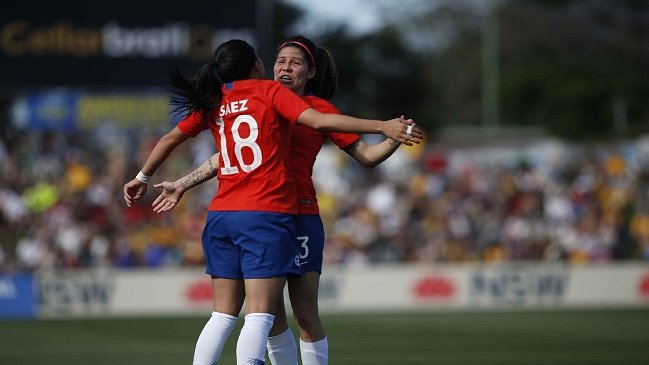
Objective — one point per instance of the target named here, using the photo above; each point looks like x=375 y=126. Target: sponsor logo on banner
x=199 y=291
x=518 y=285
x=75 y=294
x=100 y=44
x=7 y=289
x=434 y=287
x=643 y=286
x=17 y=299
x=111 y=40
x=69 y=110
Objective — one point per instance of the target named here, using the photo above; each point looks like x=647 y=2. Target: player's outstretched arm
x=134 y=190
x=172 y=192
x=372 y=155
x=398 y=129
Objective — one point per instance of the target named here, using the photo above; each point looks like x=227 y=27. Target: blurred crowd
x=61 y=203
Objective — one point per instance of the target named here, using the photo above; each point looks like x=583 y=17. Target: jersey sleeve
x=342 y=140
x=192 y=124
x=287 y=104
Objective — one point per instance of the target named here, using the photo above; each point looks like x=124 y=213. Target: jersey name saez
x=251 y=129
x=233 y=107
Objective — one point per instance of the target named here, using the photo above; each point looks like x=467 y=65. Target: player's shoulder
x=256 y=83
x=192 y=118
x=321 y=105
x=257 y=89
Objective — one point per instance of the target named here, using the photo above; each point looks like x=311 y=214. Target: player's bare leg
x=262 y=298
x=303 y=292
x=228 y=295
x=281 y=346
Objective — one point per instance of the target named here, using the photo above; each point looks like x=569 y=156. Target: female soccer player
x=308 y=71
x=248 y=239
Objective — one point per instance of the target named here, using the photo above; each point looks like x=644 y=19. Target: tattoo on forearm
x=393 y=143
x=185 y=184
x=192 y=179
x=211 y=165
x=352 y=147
x=199 y=175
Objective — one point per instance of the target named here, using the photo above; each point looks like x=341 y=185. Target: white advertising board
x=393 y=287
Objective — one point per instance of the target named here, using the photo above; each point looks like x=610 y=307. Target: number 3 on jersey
x=239 y=144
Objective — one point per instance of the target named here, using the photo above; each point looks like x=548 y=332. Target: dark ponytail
x=325 y=81
x=232 y=61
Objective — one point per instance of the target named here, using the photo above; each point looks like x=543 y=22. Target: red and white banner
x=394 y=287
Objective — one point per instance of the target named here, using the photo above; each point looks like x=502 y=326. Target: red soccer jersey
x=306 y=143
x=252 y=132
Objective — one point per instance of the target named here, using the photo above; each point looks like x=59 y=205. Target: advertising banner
x=124 y=292
x=17 y=296
x=114 y=43
x=388 y=287
x=67 y=110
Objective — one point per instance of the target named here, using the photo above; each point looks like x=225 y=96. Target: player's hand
x=168 y=198
x=133 y=191
x=403 y=130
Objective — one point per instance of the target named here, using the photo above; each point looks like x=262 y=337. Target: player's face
x=292 y=69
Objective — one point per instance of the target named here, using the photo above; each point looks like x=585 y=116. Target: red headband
x=308 y=51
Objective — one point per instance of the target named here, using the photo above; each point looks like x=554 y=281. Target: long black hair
x=232 y=60
x=325 y=81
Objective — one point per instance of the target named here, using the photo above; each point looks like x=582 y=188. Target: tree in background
x=577 y=67
x=574 y=67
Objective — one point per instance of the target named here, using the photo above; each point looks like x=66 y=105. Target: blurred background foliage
x=575 y=68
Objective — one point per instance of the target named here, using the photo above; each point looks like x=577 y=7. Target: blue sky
x=360 y=15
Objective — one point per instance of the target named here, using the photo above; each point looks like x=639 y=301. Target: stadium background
x=517 y=233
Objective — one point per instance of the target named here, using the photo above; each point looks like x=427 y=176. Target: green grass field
x=593 y=337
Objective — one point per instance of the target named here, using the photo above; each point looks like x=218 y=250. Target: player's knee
x=280 y=324
x=309 y=322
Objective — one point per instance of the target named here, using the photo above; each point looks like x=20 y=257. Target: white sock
x=212 y=339
x=251 y=346
x=282 y=349
x=315 y=353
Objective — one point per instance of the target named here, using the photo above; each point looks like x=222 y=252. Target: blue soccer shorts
x=310 y=240
x=250 y=245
